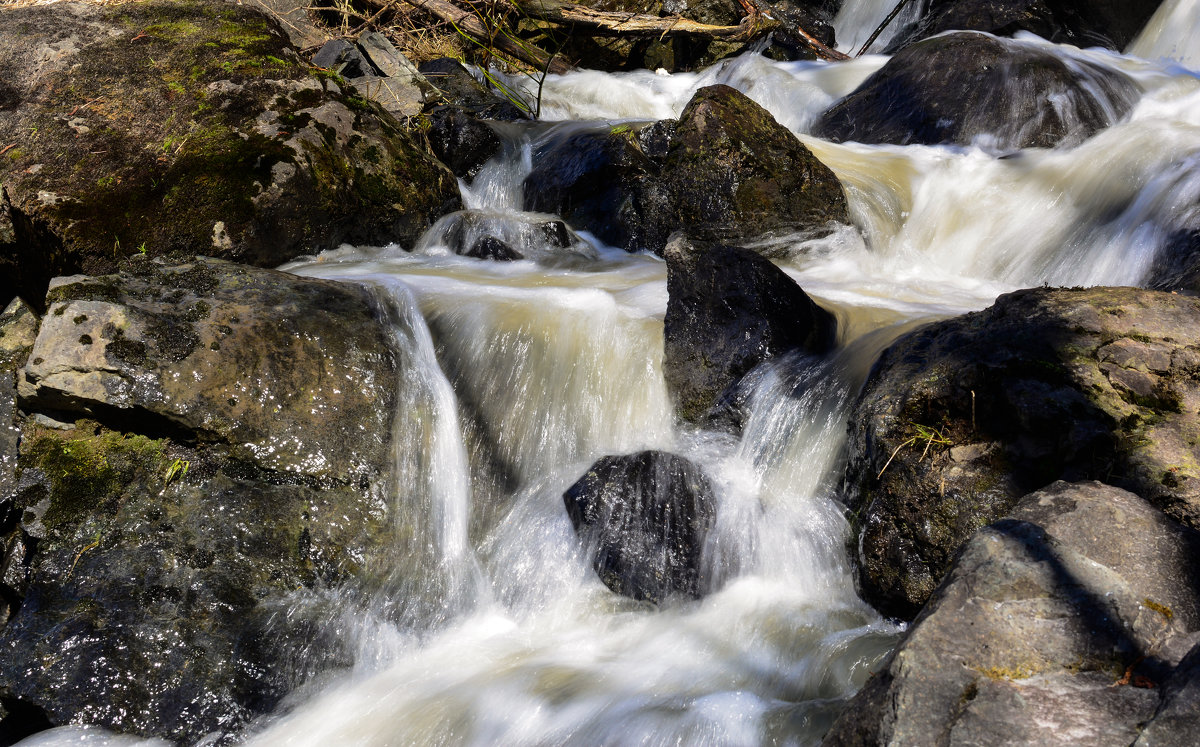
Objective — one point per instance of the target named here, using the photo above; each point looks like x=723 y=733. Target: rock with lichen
x=190 y=126
x=962 y=417
x=206 y=449
x=1057 y=625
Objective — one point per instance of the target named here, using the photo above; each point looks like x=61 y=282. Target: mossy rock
x=962 y=417
x=296 y=375
x=728 y=172
x=192 y=126
x=157 y=578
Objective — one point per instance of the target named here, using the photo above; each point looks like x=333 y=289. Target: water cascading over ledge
x=491 y=626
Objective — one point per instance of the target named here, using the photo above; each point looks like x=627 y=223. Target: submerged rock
x=967 y=87
x=725 y=171
x=1083 y=23
x=191 y=126
x=729 y=309
x=646 y=517
x=962 y=417
x=1054 y=626
x=208 y=446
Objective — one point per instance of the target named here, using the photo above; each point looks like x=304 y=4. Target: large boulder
x=960 y=418
x=968 y=87
x=729 y=309
x=208 y=449
x=212 y=349
x=597 y=181
x=726 y=171
x=645 y=518
x=733 y=172
x=1084 y=23
x=190 y=126
x=1056 y=626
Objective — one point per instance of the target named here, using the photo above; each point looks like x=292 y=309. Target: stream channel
x=494 y=629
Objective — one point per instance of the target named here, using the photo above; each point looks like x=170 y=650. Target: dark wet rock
x=729 y=309
x=654 y=139
x=144 y=589
x=344 y=58
x=1177 y=721
x=730 y=172
x=228 y=144
x=1084 y=23
x=219 y=352
x=219 y=455
x=1056 y=625
x=461 y=141
x=962 y=417
x=965 y=87
x=490 y=247
x=459 y=88
x=597 y=181
x=472 y=233
x=18 y=330
x=1176 y=266
x=645 y=516
x=734 y=172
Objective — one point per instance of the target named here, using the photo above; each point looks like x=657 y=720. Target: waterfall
x=858 y=19
x=1170 y=34
x=555 y=360
x=488 y=626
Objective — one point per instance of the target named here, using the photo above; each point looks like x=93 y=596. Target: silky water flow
x=490 y=627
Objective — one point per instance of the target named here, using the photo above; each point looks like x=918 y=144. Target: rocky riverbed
x=205 y=462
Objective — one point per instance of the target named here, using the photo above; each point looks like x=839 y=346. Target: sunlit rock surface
x=208 y=450
x=962 y=417
x=1056 y=625
x=190 y=126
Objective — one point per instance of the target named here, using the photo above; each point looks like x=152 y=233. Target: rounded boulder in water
x=1084 y=23
x=729 y=309
x=971 y=88
x=647 y=516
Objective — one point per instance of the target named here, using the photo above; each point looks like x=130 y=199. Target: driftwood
x=466 y=19
x=469 y=23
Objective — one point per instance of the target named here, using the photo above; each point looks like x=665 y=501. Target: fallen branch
x=879 y=29
x=469 y=23
x=638 y=24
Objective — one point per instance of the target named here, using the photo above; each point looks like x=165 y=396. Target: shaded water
x=493 y=629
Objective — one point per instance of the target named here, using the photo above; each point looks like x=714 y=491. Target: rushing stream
x=531 y=370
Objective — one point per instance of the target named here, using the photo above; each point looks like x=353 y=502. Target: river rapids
x=492 y=628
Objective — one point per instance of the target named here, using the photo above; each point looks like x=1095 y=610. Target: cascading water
x=493 y=628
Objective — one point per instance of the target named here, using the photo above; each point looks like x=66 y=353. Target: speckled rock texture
x=190 y=127
x=962 y=417
x=1057 y=625
x=205 y=451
